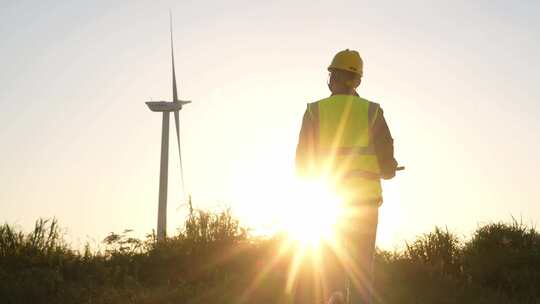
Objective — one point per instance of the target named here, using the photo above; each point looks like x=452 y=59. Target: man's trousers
x=353 y=254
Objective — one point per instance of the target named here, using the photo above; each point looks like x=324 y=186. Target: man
x=345 y=140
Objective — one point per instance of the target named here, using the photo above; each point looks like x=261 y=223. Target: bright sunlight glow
x=313 y=213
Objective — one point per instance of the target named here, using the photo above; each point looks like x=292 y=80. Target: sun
x=313 y=213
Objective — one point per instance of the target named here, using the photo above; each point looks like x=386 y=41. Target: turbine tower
x=166 y=107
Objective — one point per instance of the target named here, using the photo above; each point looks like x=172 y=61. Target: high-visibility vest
x=344 y=144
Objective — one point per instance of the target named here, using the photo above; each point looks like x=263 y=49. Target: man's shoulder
x=314 y=105
x=319 y=101
x=371 y=103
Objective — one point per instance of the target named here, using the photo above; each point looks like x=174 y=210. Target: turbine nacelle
x=166 y=106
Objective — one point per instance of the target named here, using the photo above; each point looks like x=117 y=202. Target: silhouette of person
x=345 y=140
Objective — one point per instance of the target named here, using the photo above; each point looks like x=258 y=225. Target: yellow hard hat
x=348 y=60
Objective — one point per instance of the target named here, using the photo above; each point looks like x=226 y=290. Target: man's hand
x=388 y=175
x=392 y=174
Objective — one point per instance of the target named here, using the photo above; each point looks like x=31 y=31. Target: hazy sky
x=457 y=80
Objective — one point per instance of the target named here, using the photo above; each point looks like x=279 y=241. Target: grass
x=212 y=259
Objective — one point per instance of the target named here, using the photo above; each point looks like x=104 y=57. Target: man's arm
x=384 y=146
x=305 y=150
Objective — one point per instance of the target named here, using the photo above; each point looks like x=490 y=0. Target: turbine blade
x=177 y=124
x=175 y=92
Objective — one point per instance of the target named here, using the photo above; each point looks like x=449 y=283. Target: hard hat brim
x=331 y=67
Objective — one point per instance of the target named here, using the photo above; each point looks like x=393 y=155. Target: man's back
x=342 y=121
x=346 y=137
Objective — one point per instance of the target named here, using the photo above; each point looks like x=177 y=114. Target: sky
x=457 y=81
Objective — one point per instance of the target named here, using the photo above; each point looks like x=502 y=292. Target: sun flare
x=312 y=213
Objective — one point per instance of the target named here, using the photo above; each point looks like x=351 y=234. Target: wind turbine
x=166 y=107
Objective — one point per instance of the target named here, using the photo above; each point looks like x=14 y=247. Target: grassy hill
x=213 y=259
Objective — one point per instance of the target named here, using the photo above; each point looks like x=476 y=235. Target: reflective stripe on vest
x=369 y=150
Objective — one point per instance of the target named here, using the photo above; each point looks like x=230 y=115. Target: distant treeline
x=212 y=259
